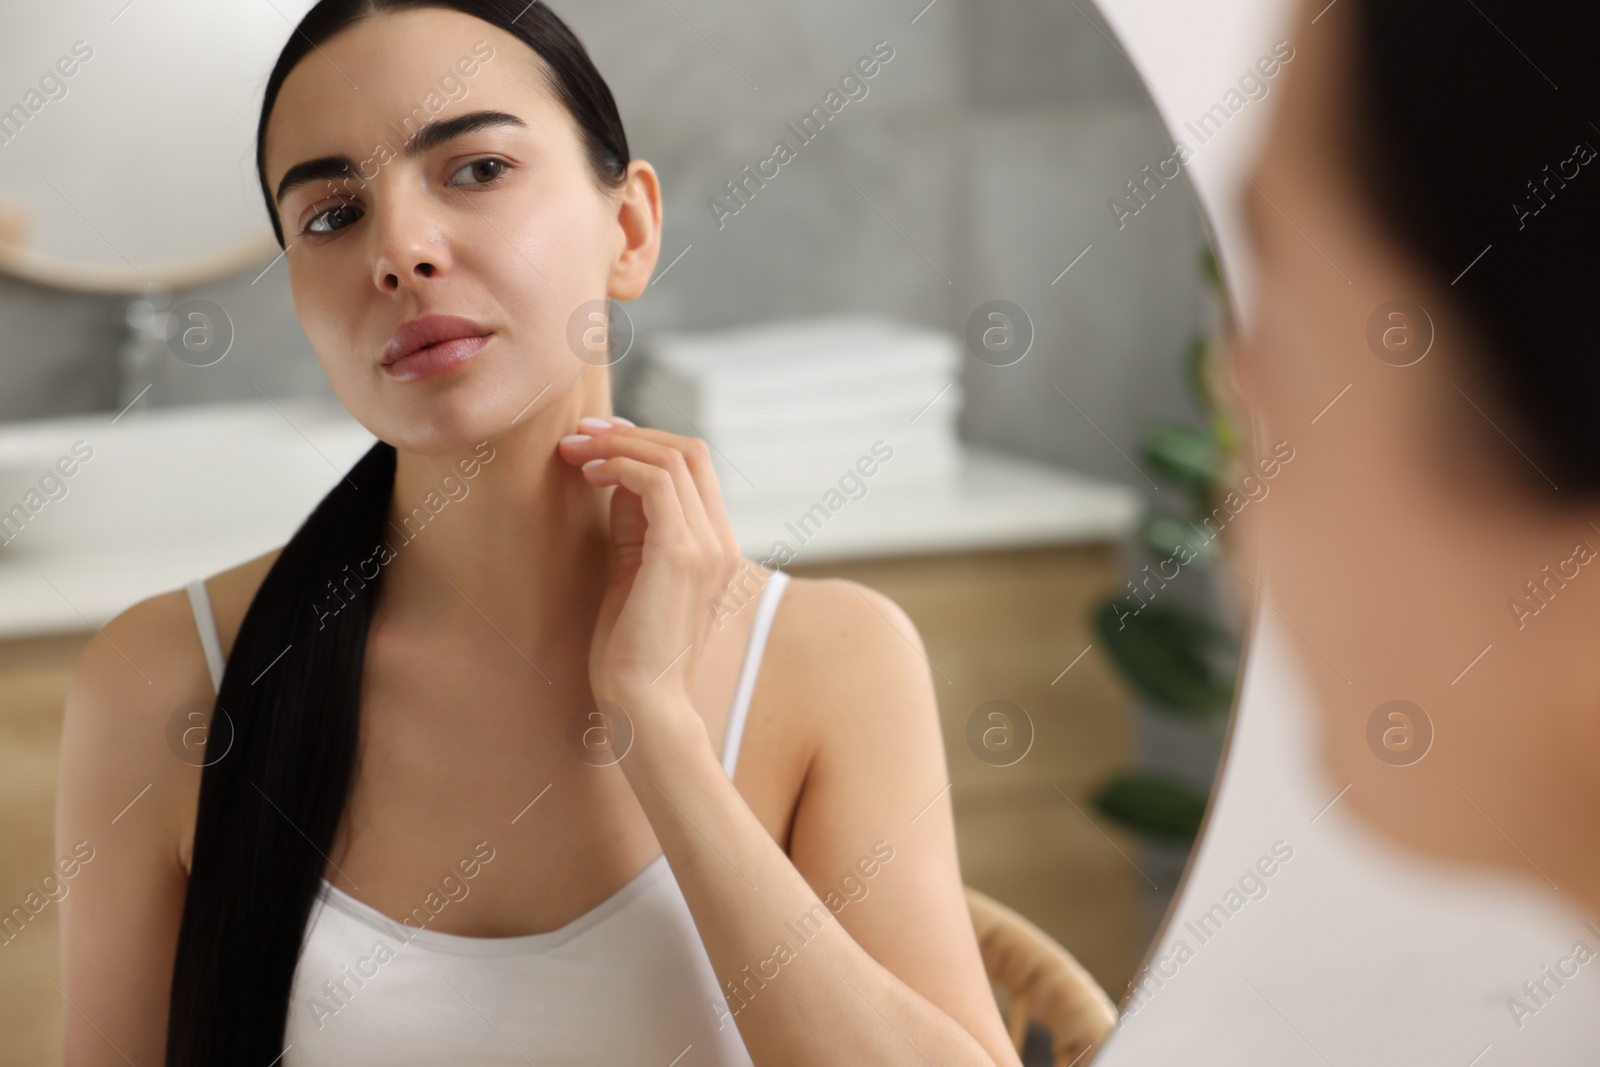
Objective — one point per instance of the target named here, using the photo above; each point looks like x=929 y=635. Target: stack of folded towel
x=788 y=405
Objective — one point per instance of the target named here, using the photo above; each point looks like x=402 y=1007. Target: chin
x=440 y=425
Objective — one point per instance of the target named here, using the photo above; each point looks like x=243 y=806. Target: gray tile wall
x=57 y=350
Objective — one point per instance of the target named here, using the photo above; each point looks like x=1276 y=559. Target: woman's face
x=1408 y=518
x=503 y=225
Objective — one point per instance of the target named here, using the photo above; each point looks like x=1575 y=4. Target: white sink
x=165 y=496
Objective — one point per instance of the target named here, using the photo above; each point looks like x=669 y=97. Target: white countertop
x=179 y=493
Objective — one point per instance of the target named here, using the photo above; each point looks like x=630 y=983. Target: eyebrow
x=426 y=138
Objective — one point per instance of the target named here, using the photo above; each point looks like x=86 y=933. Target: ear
x=639 y=225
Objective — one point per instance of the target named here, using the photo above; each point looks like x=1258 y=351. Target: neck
x=505 y=532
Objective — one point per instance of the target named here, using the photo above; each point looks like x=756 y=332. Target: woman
x=1424 y=218
x=470 y=793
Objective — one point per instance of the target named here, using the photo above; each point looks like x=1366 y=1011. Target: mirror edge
x=118 y=281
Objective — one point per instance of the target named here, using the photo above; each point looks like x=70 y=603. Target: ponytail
x=270 y=808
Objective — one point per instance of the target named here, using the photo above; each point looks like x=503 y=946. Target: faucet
x=143 y=345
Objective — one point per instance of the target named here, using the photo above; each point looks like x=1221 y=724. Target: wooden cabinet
x=33 y=687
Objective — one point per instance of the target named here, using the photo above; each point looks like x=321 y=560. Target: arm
x=856 y=946
x=912 y=989
x=120 y=914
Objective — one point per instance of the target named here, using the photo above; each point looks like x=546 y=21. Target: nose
x=409 y=249
x=408 y=265
x=390 y=280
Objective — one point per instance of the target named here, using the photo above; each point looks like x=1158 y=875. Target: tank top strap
x=733 y=733
x=766 y=608
x=200 y=604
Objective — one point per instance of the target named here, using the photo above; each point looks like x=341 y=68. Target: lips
x=417 y=334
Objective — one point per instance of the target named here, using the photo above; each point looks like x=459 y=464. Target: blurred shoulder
x=138 y=674
x=160 y=632
x=835 y=639
x=820 y=612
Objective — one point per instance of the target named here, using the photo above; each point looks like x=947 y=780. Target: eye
x=484 y=171
x=316 y=225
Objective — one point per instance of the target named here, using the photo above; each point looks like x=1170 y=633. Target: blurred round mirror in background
x=127 y=134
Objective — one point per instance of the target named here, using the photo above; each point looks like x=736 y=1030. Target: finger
x=605 y=446
x=697 y=453
x=656 y=488
x=669 y=459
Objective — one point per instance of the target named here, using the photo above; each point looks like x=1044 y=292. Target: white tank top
x=628 y=982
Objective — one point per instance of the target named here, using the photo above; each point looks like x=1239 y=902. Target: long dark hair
x=1468 y=122
x=270 y=808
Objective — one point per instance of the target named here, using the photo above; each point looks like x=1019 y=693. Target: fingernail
x=575 y=439
x=625 y=422
x=592 y=462
x=589 y=422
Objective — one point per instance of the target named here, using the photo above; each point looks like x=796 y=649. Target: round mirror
x=944 y=262
x=127 y=135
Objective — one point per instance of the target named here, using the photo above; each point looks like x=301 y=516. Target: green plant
x=1181 y=663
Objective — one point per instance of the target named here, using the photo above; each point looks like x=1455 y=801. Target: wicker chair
x=1043 y=980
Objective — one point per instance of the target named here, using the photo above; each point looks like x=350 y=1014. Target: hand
x=674 y=554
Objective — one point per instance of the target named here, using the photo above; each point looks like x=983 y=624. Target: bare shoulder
x=152 y=650
x=129 y=693
x=842 y=623
x=233 y=590
x=837 y=646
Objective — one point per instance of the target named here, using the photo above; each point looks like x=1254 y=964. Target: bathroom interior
x=145 y=312
x=972 y=265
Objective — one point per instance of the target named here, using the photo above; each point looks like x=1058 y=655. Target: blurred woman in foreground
x=1424 y=218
